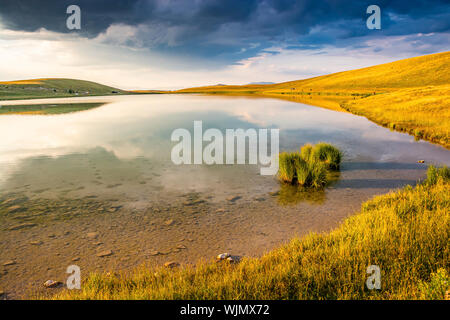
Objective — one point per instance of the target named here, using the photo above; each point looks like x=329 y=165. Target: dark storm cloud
x=31 y=15
x=224 y=26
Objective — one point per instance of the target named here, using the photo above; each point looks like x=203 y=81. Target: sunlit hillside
x=414 y=72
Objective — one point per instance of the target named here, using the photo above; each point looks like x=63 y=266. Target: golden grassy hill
x=414 y=72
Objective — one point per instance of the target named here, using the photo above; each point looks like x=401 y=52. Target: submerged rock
x=234 y=199
x=22 y=226
x=14 y=201
x=92 y=235
x=194 y=202
x=14 y=209
x=114 y=209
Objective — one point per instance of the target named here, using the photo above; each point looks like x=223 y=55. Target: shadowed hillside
x=52 y=88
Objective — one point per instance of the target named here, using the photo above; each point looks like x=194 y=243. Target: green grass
x=287 y=166
x=308 y=168
x=46 y=109
x=406 y=233
x=434 y=174
x=53 y=88
x=328 y=154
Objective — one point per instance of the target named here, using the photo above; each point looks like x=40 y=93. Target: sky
x=172 y=44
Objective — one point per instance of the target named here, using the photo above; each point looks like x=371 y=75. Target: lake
x=98 y=188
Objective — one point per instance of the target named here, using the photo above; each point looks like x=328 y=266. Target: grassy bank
x=422 y=112
x=406 y=233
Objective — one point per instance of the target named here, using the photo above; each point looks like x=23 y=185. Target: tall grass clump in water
x=303 y=172
x=328 y=154
x=318 y=174
x=286 y=171
x=404 y=232
x=309 y=167
x=306 y=151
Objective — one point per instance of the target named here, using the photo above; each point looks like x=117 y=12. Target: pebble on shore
x=9 y=263
x=105 y=253
x=171 y=264
x=52 y=284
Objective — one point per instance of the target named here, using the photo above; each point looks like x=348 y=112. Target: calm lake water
x=102 y=180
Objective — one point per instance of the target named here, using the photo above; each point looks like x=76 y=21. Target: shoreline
x=301 y=269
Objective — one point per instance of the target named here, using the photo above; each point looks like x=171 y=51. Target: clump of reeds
x=286 y=171
x=328 y=154
x=308 y=167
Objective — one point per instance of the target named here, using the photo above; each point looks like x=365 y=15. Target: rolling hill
x=408 y=73
x=52 y=88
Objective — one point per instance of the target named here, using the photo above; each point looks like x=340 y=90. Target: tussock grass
x=287 y=171
x=306 y=151
x=329 y=154
x=308 y=168
x=406 y=233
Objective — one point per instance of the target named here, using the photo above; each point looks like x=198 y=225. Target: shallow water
x=108 y=171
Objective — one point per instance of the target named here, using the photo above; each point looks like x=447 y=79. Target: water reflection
x=293 y=194
x=127 y=143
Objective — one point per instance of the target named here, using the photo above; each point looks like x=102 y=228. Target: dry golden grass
x=423 y=112
x=414 y=72
x=19 y=82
